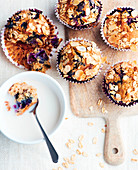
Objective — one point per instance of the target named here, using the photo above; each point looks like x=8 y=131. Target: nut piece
x=94 y=140
x=104 y=110
x=68 y=145
x=90 y=124
x=81 y=138
x=101 y=165
x=71 y=141
x=73 y=157
x=98 y=154
x=100 y=102
x=59 y=168
x=135 y=152
x=134 y=160
x=78 y=152
x=80 y=145
x=103 y=130
x=65 y=164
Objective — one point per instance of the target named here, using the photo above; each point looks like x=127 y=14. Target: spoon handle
x=52 y=150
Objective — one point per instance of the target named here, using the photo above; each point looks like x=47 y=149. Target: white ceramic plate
x=50 y=111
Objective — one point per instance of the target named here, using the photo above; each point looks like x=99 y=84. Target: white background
x=14 y=156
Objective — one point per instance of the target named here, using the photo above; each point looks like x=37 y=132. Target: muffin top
x=79 y=60
x=121 y=82
x=121 y=28
x=79 y=13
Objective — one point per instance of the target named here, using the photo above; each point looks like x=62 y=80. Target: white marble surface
x=14 y=156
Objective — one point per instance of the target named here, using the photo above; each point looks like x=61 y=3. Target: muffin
x=79 y=61
x=121 y=83
x=25 y=96
x=120 y=29
x=79 y=14
x=26 y=32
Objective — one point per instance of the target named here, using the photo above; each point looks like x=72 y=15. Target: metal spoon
x=52 y=150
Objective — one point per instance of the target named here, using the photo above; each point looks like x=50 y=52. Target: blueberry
x=24 y=25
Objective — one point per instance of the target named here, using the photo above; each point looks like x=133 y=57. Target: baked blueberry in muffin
x=25 y=96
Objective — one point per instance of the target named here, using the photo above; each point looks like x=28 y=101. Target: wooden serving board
x=85 y=95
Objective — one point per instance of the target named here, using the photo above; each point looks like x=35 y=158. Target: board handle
x=113 y=148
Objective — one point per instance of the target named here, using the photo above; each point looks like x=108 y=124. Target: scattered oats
x=68 y=145
x=73 y=157
x=65 y=164
x=104 y=110
x=100 y=102
x=135 y=152
x=80 y=145
x=90 y=124
x=94 y=140
x=71 y=141
x=134 y=160
x=66 y=159
x=91 y=108
x=103 y=130
x=53 y=169
x=66 y=118
x=78 y=152
x=84 y=154
x=101 y=165
x=98 y=154
x=59 y=168
x=81 y=138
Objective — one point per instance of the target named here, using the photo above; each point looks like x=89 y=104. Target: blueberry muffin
x=121 y=83
x=79 y=14
x=120 y=28
x=79 y=61
x=25 y=96
x=25 y=32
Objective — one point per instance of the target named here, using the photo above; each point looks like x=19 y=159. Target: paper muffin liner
x=73 y=80
x=53 y=50
x=102 y=26
x=81 y=27
x=105 y=90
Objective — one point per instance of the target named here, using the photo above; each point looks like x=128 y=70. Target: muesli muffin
x=79 y=61
x=121 y=83
x=25 y=32
x=79 y=14
x=25 y=96
x=120 y=28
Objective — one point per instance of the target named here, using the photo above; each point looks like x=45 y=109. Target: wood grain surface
x=83 y=96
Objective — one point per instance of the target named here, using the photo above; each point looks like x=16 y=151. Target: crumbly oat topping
x=121 y=28
x=79 y=60
x=25 y=32
x=25 y=96
x=79 y=13
x=121 y=83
